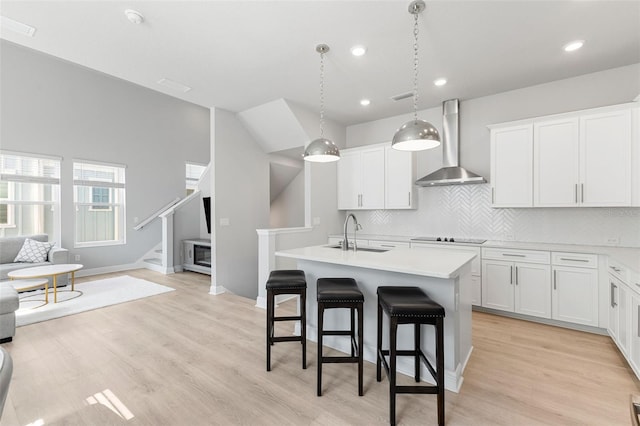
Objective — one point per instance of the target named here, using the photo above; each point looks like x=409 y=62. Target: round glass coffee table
x=48 y=271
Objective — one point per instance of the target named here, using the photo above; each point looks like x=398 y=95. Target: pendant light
x=415 y=135
x=322 y=150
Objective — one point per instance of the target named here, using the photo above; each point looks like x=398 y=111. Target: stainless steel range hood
x=451 y=173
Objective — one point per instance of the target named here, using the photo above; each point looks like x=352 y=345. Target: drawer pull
x=513 y=255
x=574 y=260
x=386 y=245
x=615 y=269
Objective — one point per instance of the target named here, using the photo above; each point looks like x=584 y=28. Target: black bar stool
x=340 y=293
x=286 y=282
x=410 y=305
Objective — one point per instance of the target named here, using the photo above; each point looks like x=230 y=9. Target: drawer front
x=530 y=256
x=618 y=270
x=388 y=244
x=580 y=260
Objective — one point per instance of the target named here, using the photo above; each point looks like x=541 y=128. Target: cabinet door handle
x=613 y=295
x=516 y=275
x=574 y=260
x=582 y=192
x=511 y=275
x=554 y=280
x=576 y=192
x=492 y=196
x=409 y=197
x=513 y=255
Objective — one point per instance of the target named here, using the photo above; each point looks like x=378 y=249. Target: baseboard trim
x=107 y=270
x=217 y=290
x=556 y=323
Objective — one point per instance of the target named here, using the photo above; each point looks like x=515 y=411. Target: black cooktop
x=450 y=240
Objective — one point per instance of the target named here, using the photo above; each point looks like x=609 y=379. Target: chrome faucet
x=356 y=227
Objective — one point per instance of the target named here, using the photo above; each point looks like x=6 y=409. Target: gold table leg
x=73 y=280
x=46 y=292
x=55 y=289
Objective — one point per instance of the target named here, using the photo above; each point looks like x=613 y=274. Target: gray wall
x=241 y=191
x=287 y=210
x=465 y=211
x=50 y=106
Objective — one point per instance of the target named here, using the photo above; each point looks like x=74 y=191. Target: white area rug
x=86 y=296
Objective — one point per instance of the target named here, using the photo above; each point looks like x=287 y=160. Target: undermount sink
x=371 y=249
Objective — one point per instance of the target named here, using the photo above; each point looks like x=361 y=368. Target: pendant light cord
x=415 y=66
x=321 y=94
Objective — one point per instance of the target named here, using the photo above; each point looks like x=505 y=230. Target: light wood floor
x=188 y=358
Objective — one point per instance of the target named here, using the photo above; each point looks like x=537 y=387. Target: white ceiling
x=238 y=54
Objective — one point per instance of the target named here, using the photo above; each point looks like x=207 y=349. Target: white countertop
x=428 y=262
x=630 y=257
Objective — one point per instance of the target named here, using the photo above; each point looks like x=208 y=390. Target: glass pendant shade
x=322 y=150
x=416 y=135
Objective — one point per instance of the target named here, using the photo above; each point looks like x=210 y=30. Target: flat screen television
x=207 y=212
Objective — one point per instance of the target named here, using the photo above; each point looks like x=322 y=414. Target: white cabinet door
x=532 y=289
x=372 y=193
x=555 y=163
x=349 y=181
x=623 y=320
x=575 y=295
x=399 y=179
x=605 y=159
x=634 y=332
x=476 y=290
x=512 y=166
x=497 y=285
x=614 y=314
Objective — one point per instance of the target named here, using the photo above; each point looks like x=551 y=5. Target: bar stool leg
x=440 y=372
x=360 y=354
x=320 y=335
x=303 y=327
x=393 y=326
x=268 y=328
x=379 y=346
x=352 y=311
x=416 y=348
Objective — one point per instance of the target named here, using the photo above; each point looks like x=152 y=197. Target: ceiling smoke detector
x=134 y=16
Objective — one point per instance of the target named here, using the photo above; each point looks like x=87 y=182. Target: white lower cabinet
x=523 y=288
x=633 y=354
x=575 y=295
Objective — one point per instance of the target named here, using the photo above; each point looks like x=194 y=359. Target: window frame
x=116 y=204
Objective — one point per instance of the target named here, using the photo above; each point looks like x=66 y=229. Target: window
x=99 y=198
x=193 y=174
x=29 y=195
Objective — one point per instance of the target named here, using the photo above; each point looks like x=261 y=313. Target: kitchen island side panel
x=454 y=294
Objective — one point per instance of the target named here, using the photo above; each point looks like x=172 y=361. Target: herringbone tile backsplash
x=465 y=211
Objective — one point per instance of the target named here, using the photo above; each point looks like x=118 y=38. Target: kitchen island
x=444 y=275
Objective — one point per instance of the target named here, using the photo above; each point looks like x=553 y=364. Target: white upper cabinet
x=585 y=158
x=376 y=177
x=555 y=163
x=605 y=159
x=399 y=177
x=512 y=166
x=361 y=179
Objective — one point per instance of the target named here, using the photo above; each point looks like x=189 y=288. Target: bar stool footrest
x=286 y=339
x=298 y=318
x=339 y=359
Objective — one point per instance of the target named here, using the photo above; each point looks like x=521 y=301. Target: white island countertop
x=428 y=262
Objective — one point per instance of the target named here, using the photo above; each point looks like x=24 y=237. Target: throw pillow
x=33 y=251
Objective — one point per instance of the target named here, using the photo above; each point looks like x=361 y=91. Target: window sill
x=99 y=244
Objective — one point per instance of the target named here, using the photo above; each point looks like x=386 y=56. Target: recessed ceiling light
x=174 y=85
x=440 y=82
x=573 y=46
x=358 y=50
x=17 y=27
x=134 y=16
x=365 y=102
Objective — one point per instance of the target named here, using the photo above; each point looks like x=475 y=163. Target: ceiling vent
x=402 y=96
x=17 y=27
x=174 y=85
